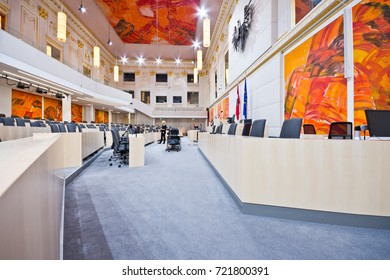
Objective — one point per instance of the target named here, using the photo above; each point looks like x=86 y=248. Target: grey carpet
x=175 y=207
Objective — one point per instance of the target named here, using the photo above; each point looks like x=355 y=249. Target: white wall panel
x=5 y=100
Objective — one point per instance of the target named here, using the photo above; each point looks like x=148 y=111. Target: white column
x=89 y=113
x=67 y=108
x=109 y=117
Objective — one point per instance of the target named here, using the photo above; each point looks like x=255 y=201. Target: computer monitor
x=378 y=122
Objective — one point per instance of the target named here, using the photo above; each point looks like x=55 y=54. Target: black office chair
x=309 y=129
x=232 y=129
x=291 y=128
x=34 y=124
x=173 y=140
x=246 y=129
x=61 y=127
x=8 y=121
x=340 y=130
x=71 y=127
x=54 y=128
x=219 y=129
x=258 y=127
x=20 y=122
x=120 y=149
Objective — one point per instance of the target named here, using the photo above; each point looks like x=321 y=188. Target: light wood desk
x=136 y=150
x=192 y=136
x=340 y=176
x=31 y=194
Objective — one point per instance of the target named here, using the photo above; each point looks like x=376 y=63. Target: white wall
x=5 y=100
x=262 y=34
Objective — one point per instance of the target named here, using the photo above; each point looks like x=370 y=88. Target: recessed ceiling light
x=141 y=60
x=202 y=12
x=196 y=44
x=158 y=60
x=109 y=42
x=178 y=60
x=124 y=59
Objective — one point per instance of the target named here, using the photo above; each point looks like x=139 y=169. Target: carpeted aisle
x=175 y=207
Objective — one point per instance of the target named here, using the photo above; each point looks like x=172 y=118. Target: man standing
x=163 y=131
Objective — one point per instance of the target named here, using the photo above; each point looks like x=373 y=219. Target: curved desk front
x=289 y=178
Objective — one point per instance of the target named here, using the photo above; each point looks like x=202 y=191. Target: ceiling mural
x=150 y=21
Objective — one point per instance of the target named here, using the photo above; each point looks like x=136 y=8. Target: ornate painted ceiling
x=150 y=21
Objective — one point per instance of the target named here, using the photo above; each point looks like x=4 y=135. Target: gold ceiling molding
x=111 y=69
x=201 y=74
x=217 y=48
x=80 y=44
x=170 y=73
x=152 y=73
x=184 y=73
x=222 y=38
x=102 y=63
x=137 y=72
x=120 y=72
x=42 y=12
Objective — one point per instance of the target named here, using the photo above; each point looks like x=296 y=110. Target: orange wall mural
x=314 y=76
x=101 y=116
x=371 y=29
x=303 y=7
x=53 y=109
x=77 y=113
x=140 y=21
x=221 y=110
x=26 y=104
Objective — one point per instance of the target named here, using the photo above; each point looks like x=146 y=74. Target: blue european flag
x=244 y=112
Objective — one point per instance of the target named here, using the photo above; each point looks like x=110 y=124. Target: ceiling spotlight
x=192 y=62
x=22 y=85
x=40 y=90
x=82 y=8
x=178 y=60
x=158 y=60
x=109 y=42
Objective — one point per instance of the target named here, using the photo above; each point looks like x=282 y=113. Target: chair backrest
x=91 y=126
x=41 y=124
x=232 y=129
x=54 y=128
x=340 y=130
x=2 y=115
x=20 y=122
x=115 y=139
x=71 y=127
x=291 y=128
x=81 y=125
x=257 y=129
x=34 y=124
x=219 y=129
x=61 y=127
x=246 y=129
x=101 y=128
x=309 y=129
x=8 y=121
x=173 y=131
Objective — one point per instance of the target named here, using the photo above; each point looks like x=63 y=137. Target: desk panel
x=343 y=176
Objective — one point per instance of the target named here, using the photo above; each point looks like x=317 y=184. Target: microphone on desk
x=363 y=128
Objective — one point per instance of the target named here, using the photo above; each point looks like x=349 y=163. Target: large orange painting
x=371 y=33
x=149 y=21
x=101 y=116
x=26 y=104
x=77 y=113
x=53 y=109
x=303 y=7
x=314 y=74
